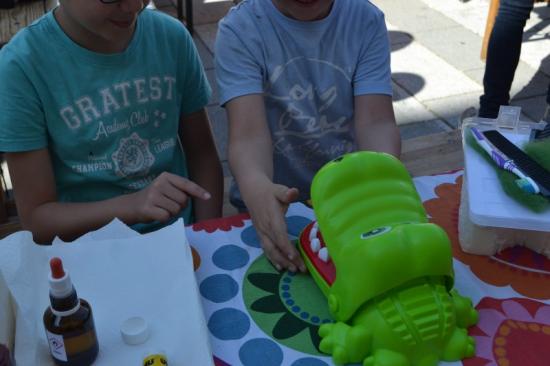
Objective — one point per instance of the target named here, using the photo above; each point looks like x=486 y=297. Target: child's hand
x=165 y=197
x=267 y=209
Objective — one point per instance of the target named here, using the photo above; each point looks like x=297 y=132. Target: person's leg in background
x=503 y=54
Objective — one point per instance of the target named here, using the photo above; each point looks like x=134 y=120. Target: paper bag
x=121 y=276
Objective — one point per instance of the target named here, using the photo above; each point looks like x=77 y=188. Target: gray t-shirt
x=309 y=73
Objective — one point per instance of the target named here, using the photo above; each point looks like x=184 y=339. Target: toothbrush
x=524 y=182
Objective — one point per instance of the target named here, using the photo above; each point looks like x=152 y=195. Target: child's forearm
x=68 y=221
x=251 y=161
x=211 y=179
x=203 y=163
x=250 y=148
x=381 y=137
x=375 y=126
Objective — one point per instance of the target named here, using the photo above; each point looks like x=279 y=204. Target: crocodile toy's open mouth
x=313 y=246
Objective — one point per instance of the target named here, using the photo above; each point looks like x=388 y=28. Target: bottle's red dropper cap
x=62 y=293
x=56 y=266
x=59 y=279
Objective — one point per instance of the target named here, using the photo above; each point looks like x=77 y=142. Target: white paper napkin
x=121 y=275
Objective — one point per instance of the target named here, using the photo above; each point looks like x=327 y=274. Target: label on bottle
x=57 y=346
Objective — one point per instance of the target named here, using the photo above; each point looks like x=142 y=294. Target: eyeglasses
x=118 y=1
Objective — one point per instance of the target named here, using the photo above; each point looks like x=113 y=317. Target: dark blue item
x=523 y=161
x=503 y=55
x=7 y=4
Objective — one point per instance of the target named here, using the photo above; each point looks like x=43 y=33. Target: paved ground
x=436 y=65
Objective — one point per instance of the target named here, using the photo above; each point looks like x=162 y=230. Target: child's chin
x=306 y=3
x=115 y=34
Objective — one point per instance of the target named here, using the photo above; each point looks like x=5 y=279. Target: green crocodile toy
x=386 y=271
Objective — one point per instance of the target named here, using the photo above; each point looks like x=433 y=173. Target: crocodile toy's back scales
x=419 y=314
x=388 y=272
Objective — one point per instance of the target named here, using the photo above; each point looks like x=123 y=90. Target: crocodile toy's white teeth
x=323 y=254
x=313 y=233
x=315 y=245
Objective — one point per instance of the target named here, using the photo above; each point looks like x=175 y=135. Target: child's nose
x=133 y=6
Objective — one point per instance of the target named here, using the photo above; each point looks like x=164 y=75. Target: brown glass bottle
x=69 y=322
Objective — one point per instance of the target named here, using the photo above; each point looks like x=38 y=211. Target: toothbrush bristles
x=525 y=186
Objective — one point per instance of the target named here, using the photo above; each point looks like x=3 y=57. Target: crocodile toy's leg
x=385 y=357
x=460 y=346
x=428 y=360
x=346 y=344
x=466 y=315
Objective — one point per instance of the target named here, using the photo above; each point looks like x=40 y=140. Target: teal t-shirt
x=110 y=121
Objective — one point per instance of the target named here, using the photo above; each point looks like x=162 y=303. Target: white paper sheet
x=121 y=275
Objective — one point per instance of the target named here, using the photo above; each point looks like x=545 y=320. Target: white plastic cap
x=134 y=330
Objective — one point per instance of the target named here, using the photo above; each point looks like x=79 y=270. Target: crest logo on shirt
x=133 y=157
x=310 y=104
x=311 y=99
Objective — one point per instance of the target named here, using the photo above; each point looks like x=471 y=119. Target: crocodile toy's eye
x=375 y=232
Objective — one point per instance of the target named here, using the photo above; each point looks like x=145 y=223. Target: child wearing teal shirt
x=102 y=115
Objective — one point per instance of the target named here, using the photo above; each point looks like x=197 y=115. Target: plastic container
x=488 y=204
x=489 y=240
x=490 y=220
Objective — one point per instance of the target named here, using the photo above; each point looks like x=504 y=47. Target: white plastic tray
x=489 y=205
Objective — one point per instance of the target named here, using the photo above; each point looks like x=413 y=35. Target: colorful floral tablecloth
x=260 y=317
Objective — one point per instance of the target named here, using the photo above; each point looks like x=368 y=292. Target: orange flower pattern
x=513 y=332
x=525 y=271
